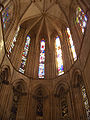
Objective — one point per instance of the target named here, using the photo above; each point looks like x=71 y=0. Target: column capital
x=1 y=7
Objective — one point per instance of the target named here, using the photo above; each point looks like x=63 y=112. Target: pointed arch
x=19 y=95
x=63 y=101
x=21 y=83
x=40 y=100
x=60 y=85
x=41 y=87
x=5 y=74
x=80 y=94
x=76 y=73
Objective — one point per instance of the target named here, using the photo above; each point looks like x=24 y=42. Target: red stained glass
x=59 y=57
x=42 y=60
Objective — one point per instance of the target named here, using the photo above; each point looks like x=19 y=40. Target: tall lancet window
x=24 y=54
x=5 y=16
x=70 y=44
x=13 y=42
x=59 y=56
x=81 y=19
x=41 y=72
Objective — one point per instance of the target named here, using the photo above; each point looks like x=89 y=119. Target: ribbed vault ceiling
x=47 y=14
x=40 y=19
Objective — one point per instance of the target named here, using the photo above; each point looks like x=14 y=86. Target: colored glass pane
x=81 y=18
x=41 y=72
x=5 y=16
x=24 y=55
x=59 y=56
x=13 y=42
x=72 y=48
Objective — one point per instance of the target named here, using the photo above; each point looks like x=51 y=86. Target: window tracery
x=63 y=108
x=64 y=105
x=86 y=102
x=84 y=96
x=82 y=92
x=81 y=19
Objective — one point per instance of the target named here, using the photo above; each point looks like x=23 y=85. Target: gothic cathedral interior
x=44 y=59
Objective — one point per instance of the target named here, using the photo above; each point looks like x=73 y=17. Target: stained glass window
x=24 y=54
x=13 y=42
x=42 y=60
x=70 y=43
x=7 y=15
x=59 y=56
x=81 y=19
x=85 y=100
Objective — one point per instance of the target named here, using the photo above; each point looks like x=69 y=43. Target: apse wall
x=15 y=42
x=53 y=89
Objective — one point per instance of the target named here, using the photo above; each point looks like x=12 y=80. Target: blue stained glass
x=41 y=70
x=42 y=60
x=5 y=16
